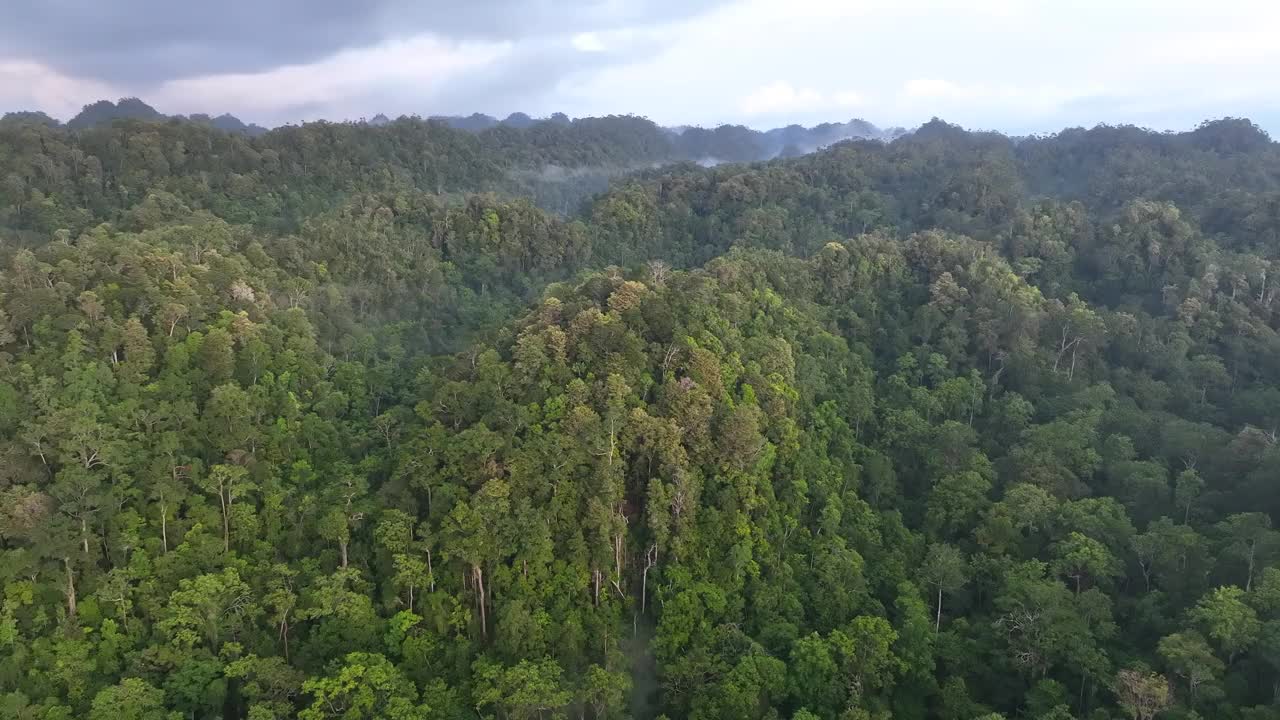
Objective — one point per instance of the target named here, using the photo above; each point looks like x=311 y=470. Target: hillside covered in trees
x=555 y=162
x=340 y=421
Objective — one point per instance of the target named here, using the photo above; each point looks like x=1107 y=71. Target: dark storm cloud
x=147 y=41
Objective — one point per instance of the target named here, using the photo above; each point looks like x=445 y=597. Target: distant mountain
x=28 y=116
x=471 y=123
x=810 y=139
x=705 y=146
x=519 y=120
x=737 y=143
x=105 y=111
x=227 y=122
x=726 y=143
x=479 y=122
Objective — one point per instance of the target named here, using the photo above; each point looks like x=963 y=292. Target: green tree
x=208 y=608
x=1250 y=537
x=1189 y=656
x=365 y=686
x=945 y=570
x=1227 y=620
x=526 y=690
x=1079 y=557
x=131 y=699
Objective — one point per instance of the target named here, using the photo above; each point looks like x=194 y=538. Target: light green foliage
x=132 y=699
x=1227 y=620
x=365 y=687
x=208 y=609
x=606 y=692
x=524 y=691
x=1189 y=656
x=1080 y=557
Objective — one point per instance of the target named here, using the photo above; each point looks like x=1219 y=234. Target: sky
x=1018 y=66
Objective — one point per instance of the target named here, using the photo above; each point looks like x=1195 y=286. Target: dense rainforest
x=555 y=162
x=346 y=421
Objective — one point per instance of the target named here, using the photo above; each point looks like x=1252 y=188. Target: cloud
x=290 y=60
x=152 y=41
x=423 y=75
x=1005 y=64
x=28 y=84
x=931 y=89
x=941 y=95
x=782 y=97
x=341 y=85
x=588 y=42
x=847 y=99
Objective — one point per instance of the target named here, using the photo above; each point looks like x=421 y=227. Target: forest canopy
x=379 y=421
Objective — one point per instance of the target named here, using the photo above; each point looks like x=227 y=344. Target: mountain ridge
x=707 y=146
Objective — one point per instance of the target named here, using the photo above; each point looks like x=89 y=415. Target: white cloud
x=588 y=42
x=930 y=89
x=26 y=85
x=1004 y=64
x=940 y=95
x=847 y=99
x=334 y=88
x=1013 y=65
x=782 y=97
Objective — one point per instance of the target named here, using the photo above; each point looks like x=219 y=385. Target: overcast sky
x=1012 y=65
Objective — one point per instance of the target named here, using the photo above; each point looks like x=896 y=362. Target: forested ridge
x=554 y=162
x=341 y=421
